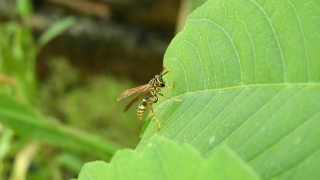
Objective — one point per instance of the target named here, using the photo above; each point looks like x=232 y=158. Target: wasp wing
x=134 y=100
x=131 y=91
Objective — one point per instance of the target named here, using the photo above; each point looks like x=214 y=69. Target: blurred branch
x=186 y=7
x=85 y=6
x=118 y=2
x=184 y=11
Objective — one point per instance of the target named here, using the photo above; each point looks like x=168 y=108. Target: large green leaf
x=249 y=73
x=163 y=159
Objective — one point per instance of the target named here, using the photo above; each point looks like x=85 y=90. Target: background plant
x=22 y=128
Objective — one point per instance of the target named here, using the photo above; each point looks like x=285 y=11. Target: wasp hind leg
x=153 y=99
x=155 y=117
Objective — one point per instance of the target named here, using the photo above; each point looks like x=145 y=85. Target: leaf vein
x=229 y=37
x=194 y=118
x=303 y=37
x=200 y=60
x=276 y=37
x=269 y=119
x=224 y=109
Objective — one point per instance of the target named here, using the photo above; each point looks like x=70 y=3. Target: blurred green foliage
x=88 y=103
x=17 y=60
x=84 y=103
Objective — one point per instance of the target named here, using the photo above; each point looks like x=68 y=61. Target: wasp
x=154 y=87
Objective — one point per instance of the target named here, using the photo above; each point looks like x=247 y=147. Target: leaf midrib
x=279 y=85
x=254 y=86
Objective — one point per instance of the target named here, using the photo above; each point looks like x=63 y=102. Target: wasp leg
x=155 y=118
x=149 y=100
x=179 y=100
x=168 y=87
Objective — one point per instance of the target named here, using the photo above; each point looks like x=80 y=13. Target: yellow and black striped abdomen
x=149 y=100
x=142 y=108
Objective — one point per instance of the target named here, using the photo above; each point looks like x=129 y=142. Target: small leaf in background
x=24 y=7
x=164 y=159
x=55 y=30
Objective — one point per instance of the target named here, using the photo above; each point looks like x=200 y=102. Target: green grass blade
x=55 y=30
x=25 y=121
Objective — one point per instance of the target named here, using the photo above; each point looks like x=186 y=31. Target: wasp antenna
x=163 y=70
x=164 y=73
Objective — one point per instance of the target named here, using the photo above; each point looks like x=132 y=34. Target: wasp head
x=158 y=80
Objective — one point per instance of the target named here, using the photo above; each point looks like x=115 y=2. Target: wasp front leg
x=168 y=87
x=179 y=100
x=149 y=100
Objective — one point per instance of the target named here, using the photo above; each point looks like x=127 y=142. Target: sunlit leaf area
x=224 y=89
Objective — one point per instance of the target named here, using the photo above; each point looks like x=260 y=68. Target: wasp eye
x=163 y=85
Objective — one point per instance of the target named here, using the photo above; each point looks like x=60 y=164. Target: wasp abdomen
x=142 y=108
x=143 y=105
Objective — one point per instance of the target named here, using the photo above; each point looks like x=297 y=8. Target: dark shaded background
x=124 y=38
